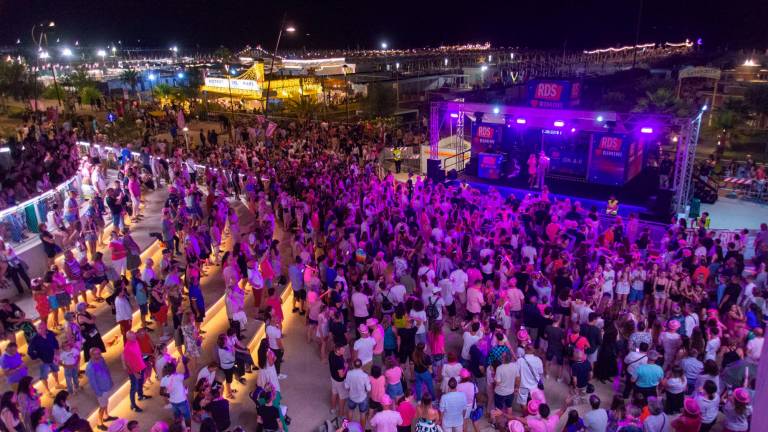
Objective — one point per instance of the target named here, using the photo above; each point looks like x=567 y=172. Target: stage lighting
x=495 y=110
x=559 y=123
x=573 y=130
x=454 y=115
x=646 y=130
x=521 y=121
x=704 y=108
x=599 y=119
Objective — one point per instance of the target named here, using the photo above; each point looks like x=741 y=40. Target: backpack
x=432 y=312
x=386 y=303
x=570 y=347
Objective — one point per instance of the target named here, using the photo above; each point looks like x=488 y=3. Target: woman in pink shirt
x=134 y=187
x=541 y=418
x=134 y=365
x=436 y=344
x=393 y=376
x=378 y=386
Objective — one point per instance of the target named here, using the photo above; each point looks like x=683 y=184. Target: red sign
x=485 y=132
x=575 y=91
x=610 y=143
x=548 y=91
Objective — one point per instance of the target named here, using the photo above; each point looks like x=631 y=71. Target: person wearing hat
x=690 y=421
x=541 y=418
x=386 y=420
x=648 y=376
x=363 y=347
x=738 y=410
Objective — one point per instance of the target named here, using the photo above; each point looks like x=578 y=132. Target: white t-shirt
x=123 y=310
x=506 y=375
x=364 y=349
x=397 y=293
x=468 y=340
x=710 y=350
x=459 y=280
x=530 y=373
x=174 y=385
x=755 y=348
x=207 y=374
x=360 y=304
x=422 y=317
x=273 y=335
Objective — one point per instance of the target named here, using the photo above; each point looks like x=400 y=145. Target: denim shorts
x=362 y=406
x=181 y=410
x=502 y=402
x=47 y=368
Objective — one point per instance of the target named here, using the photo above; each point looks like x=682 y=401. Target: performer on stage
x=542 y=169
x=532 y=171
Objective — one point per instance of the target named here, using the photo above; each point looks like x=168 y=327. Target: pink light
x=573 y=130
x=454 y=115
x=646 y=130
x=559 y=123
x=521 y=121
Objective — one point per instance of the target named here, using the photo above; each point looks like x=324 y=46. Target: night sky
x=403 y=24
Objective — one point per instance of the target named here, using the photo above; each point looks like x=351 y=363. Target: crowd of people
x=434 y=307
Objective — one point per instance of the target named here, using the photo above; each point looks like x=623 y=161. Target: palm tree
x=12 y=77
x=223 y=53
x=131 y=78
x=304 y=108
x=167 y=94
x=89 y=95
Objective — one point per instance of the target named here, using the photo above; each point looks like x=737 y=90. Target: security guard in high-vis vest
x=397 y=155
x=613 y=206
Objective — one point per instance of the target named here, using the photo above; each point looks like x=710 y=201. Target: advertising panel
x=568 y=153
x=553 y=94
x=608 y=159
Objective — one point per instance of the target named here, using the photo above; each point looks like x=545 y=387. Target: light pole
x=39 y=42
x=345 y=68
x=103 y=54
x=152 y=78
x=229 y=84
x=289 y=29
x=186 y=137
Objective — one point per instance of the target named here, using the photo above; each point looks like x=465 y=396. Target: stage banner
x=608 y=160
x=486 y=137
x=568 y=153
x=635 y=161
x=490 y=165
x=554 y=94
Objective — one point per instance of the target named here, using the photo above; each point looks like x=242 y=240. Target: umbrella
x=733 y=375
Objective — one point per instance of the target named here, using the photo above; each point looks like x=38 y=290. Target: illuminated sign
x=235 y=84
x=548 y=91
x=551 y=132
x=485 y=132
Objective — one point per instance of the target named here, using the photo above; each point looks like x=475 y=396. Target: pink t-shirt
x=473 y=275
x=393 y=375
x=474 y=300
x=378 y=388
x=436 y=343
x=516 y=298
x=538 y=424
x=378 y=336
x=386 y=421
x=133 y=358
x=407 y=412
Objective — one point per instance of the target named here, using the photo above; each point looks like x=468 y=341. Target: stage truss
x=685 y=158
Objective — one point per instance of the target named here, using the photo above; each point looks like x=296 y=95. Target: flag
x=271 y=126
x=260 y=119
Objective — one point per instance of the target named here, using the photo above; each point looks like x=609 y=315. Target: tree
x=756 y=99
x=79 y=79
x=131 y=77
x=223 y=53
x=124 y=130
x=191 y=87
x=381 y=100
x=304 y=108
x=662 y=101
x=89 y=95
x=13 y=77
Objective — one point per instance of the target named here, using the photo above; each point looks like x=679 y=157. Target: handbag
x=539 y=382
x=477 y=411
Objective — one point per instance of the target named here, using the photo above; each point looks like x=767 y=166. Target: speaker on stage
x=660 y=206
x=434 y=171
x=452 y=175
x=470 y=168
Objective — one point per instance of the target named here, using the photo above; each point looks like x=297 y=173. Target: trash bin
x=695 y=208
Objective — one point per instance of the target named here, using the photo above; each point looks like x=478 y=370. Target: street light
x=346 y=68
x=383 y=45
x=44 y=55
x=66 y=52
x=289 y=29
x=38 y=40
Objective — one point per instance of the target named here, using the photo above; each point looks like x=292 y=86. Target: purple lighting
x=521 y=121
x=573 y=130
x=646 y=130
x=559 y=123
x=454 y=115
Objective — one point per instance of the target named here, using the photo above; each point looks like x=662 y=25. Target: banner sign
x=553 y=94
x=608 y=160
x=699 y=72
x=235 y=84
x=567 y=153
x=485 y=137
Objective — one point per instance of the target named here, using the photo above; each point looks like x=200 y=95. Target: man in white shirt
x=397 y=293
x=387 y=419
x=459 y=280
x=506 y=379
x=632 y=360
x=360 y=305
x=123 y=312
x=470 y=338
x=359 y=384
x=531 y=372
x=364 y=347
x=173 y=385
x=755 y=346
x=275 y=339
